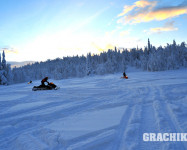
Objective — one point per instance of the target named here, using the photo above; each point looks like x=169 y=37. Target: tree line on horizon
x=150 y=58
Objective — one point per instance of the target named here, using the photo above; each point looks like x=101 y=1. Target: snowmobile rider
x=30 y=82
x=124 y=74
x=44 y=80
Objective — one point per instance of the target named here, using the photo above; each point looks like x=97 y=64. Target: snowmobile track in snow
x=171 y=124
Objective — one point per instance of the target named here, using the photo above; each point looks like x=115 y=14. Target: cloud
x=9 y=50
x=126 y=10
x=104 y=47
x=169 y=26
x=145 y=11
x=138 y=4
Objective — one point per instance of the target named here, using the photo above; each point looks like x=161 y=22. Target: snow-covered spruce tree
x=81 y=66
x=0 y=62
x=88 y=64
x=124 y=60
x=172 y=59
x=102 y=59
x=183 y=54
x=5 y=71
x=3 y=61
x=138 y=58
x=3 y=80
x=110 y=67
x=9 y=75
x=161 y=61
x=149 y=46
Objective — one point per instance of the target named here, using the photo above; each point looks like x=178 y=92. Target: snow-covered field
x=95 y=113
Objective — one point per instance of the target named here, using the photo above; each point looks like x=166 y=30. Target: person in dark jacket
x=44 y=80
x=124 y=74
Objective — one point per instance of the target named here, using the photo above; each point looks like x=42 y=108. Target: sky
x=37 y=30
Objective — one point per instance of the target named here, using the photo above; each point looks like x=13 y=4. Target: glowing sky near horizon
x=38 y=30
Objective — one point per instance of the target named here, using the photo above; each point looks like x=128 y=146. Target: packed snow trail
x=95 y=113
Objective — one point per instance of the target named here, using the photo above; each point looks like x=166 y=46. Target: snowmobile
x=50 y=86
x=126 y=77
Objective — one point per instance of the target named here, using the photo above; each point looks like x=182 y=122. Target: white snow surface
x=95 y=113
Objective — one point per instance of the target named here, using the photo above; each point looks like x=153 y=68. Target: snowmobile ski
x=126 y=77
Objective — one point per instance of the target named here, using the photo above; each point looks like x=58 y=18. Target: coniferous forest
x=173 y=56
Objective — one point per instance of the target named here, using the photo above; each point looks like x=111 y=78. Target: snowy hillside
x=95 y=113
